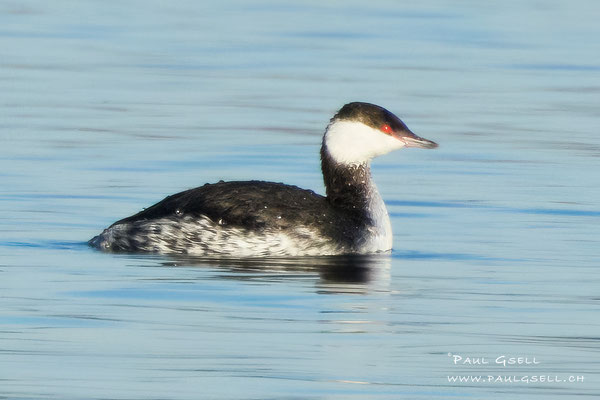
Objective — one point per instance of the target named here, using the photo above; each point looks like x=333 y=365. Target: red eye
x=386 y=129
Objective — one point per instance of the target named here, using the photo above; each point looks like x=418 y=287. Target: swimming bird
x=267 y=219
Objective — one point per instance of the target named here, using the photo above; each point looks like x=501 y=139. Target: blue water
x=107 y=107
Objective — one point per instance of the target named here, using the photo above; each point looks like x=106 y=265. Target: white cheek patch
x=351 y=142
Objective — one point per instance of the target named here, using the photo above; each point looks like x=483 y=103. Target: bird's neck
x=351 y=189
x=349 y=186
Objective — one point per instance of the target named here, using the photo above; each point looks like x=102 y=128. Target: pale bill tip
x=419 y=142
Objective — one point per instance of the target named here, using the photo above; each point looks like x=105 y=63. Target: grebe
x=261 y=219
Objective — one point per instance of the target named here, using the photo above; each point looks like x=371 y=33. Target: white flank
x=203 y=237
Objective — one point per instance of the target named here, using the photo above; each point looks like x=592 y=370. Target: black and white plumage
x=257 y=218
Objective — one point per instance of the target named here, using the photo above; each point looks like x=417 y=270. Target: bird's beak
x=412 y=140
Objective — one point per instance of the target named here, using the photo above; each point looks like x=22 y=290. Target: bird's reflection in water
x=332 y=274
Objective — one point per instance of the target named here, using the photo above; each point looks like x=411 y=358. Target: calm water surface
x=106 y=107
